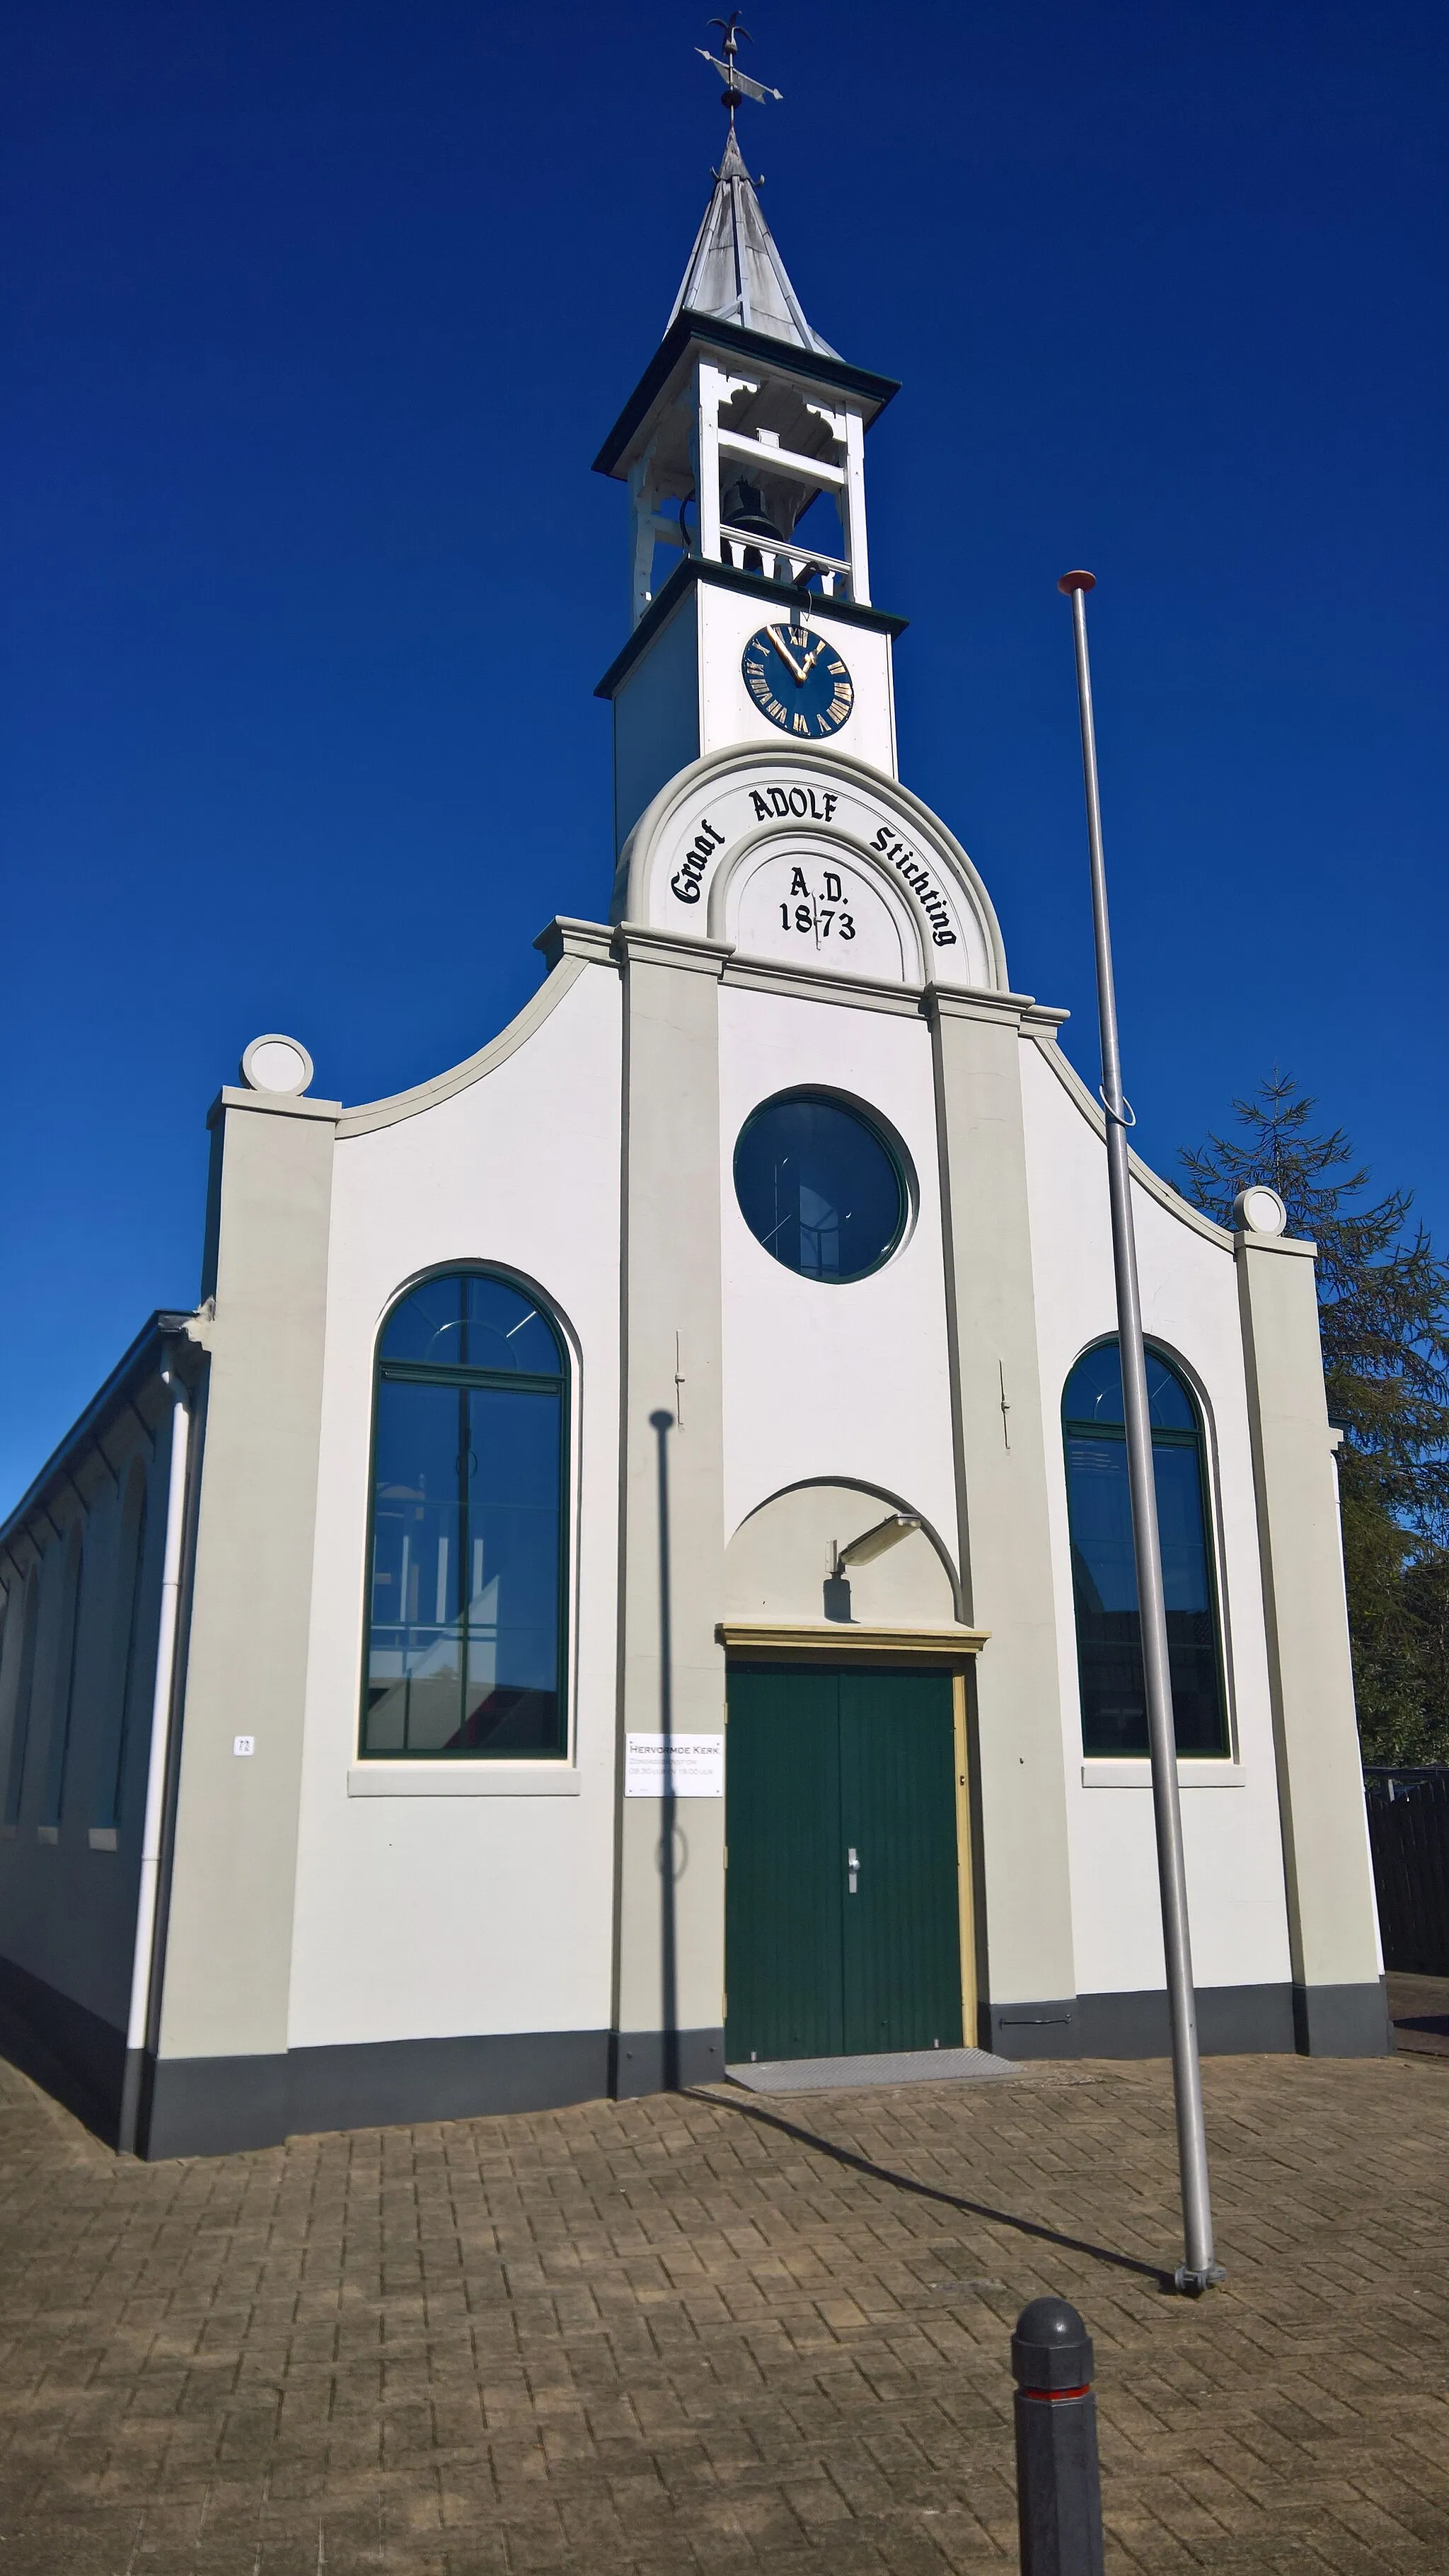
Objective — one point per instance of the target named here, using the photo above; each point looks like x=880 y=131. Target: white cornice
x=1162 y=1191
x=273 y=1104
x=638 y=940
x=813 y=984
x=962 y=1002
x=591 y=940
x=1294 y=1243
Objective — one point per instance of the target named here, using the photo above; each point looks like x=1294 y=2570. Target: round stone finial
x=276 y=1063
x=1259 y=1210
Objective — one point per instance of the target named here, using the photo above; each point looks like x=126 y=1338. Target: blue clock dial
x=798 y=680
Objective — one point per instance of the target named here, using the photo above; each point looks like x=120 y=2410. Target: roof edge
x=134 y=1365
x=701 y=568
x=783 y=355
x=564 y=971
x=1045 y=1040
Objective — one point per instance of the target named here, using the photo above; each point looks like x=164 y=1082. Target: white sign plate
x=696 y=1766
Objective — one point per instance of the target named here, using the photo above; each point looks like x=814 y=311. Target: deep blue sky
x=314 y=315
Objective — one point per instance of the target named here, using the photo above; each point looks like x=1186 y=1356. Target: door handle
x=852 y=1863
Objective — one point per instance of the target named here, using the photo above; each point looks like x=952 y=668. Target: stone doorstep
x=851 y=2074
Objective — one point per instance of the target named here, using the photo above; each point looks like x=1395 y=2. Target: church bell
x=742 y=506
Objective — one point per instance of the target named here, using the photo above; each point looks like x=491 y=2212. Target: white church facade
x=626 y=1568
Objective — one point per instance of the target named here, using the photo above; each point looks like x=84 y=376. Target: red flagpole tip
x=1071 y=581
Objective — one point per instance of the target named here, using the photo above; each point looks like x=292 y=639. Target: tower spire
x=735 y=272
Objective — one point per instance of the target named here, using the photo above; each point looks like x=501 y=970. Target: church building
x=626 y=1570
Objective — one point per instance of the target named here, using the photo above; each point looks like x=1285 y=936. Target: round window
x=819 y=1187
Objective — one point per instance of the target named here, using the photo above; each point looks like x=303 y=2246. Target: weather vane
x=737 y=84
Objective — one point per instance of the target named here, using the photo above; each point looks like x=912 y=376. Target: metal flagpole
x=1200 y=2269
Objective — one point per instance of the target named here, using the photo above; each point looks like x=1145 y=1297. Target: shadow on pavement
x=751 y=2110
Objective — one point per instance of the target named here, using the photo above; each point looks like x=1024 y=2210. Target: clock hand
x=783 y=649
x=812 y=658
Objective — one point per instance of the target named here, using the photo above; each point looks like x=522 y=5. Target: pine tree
x=1383 y=1302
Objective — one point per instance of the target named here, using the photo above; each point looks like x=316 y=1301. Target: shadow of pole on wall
x=662 y=1424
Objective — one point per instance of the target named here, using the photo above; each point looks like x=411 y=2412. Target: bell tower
x=743 y=448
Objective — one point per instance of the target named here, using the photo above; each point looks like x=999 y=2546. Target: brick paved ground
x=713 y=2334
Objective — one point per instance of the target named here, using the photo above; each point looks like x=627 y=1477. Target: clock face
x=798 y=680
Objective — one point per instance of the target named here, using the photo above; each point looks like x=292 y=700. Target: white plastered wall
x=1231 y=1831
x=822 y=1381
x=481 y=1909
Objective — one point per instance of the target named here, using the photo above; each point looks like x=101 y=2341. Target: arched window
x=466 y=1641
x=1104 y=1575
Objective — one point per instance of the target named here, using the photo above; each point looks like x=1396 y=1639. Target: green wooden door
x=901 y=1930
x=825 y=1958
x=782 y=1886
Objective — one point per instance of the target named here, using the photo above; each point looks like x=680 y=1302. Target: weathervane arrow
x=738 y=81
x=737 y=84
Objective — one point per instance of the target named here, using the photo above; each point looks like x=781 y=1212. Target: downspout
x=162 y=1699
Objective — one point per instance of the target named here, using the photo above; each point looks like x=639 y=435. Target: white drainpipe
x=161 y=1706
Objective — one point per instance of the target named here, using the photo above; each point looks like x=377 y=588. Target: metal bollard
x=1058 y=2483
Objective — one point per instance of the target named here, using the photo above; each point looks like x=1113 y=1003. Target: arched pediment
x=778 y=1565
x=813 y=860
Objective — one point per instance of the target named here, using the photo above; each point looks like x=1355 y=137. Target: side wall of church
x=82 y=1601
